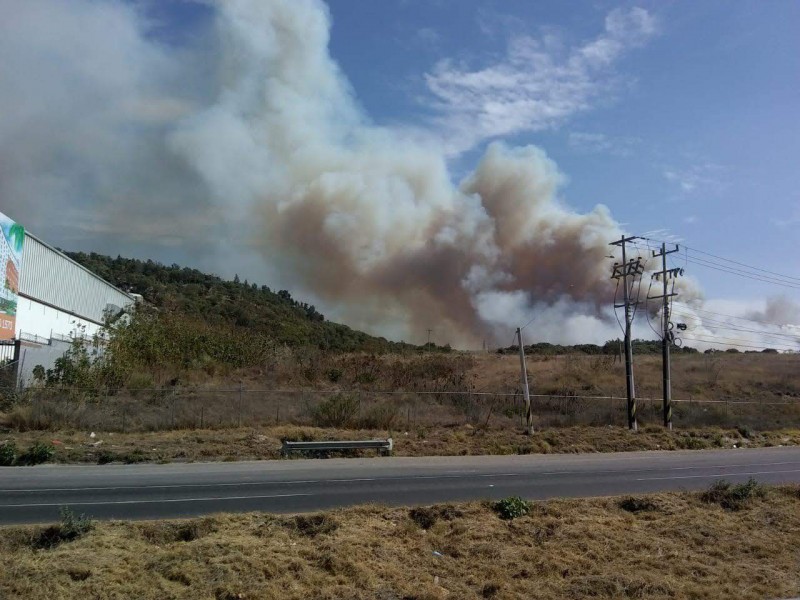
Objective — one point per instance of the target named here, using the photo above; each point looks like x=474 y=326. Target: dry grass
x=265 y=443
x=677 y=547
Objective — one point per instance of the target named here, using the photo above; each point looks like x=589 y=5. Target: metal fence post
x=239 y=416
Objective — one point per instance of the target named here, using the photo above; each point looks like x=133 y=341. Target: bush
x=39 y=453
x=337 y=411
x=379 y=416
x=71 y=528
x=511 y=508
x=733 y=497
x=8 y=454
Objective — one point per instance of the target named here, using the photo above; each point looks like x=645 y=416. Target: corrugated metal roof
x=53 y=278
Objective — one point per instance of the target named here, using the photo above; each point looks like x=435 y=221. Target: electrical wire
x=713 y=338
x=719 y=314
x=723 y=269
x=737 y=344
x=791 y=279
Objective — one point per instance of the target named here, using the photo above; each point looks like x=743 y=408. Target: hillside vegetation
x=231 y=306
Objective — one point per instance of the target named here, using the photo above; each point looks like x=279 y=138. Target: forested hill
x=238 y=303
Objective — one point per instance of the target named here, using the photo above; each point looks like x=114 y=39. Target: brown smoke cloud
x=366 y=218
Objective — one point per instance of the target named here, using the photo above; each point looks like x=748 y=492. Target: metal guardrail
x=385 y=446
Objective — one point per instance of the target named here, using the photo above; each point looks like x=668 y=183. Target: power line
x=735 y=262
x=733 y=342
x=719 y=314
x=733 y=271
x=718 y=324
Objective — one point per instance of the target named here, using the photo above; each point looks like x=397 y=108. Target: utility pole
x=525 y=391
x=429 y=336
x=667 y=336
x=628 y=268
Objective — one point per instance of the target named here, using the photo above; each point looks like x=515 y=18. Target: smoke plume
x=245 y=150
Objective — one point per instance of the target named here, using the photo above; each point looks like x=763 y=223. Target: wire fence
x=151 y=409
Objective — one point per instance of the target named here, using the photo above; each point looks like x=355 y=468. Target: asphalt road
x=35 y=494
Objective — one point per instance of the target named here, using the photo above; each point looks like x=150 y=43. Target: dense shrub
x=39 y=453
x=511 y=508
x=8 y=454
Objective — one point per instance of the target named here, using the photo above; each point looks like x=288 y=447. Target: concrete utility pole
x=525 y=391
x=628 y=268
x=666 y=336
x=429 y=336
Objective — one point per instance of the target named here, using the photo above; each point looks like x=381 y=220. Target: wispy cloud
x=600 y=143
x=538 y=84
x=791 y=219
x=427 y=36
x=703 y=177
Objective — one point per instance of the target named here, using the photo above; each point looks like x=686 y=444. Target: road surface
x=35 y=494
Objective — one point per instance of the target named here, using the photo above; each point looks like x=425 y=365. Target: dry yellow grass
x=265 y=443
x=592 y=548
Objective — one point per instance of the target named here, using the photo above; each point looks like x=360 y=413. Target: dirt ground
x=663 y=546
x=265 y=443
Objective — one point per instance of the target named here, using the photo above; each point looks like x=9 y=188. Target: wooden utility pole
x=525 y=391
x=666 y=327
x=628 y=268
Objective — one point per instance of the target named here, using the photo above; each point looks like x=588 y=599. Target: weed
x=733 y=497
x=511 y=508
x=745 y=431
x=8 y=453
x=69 y=529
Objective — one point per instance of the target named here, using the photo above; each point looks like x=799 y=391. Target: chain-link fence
x=178 y=408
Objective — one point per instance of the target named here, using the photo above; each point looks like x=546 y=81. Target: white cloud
x=537 y=85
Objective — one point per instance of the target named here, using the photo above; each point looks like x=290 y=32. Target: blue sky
x=680 y=116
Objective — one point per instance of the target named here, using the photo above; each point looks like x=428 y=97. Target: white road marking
x=717 y=475
x=247 y=483
x=152 y=501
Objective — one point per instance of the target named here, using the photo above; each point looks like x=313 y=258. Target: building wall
x=56 y=293
x=32 y=354
x=58 y=299
x=35 y=318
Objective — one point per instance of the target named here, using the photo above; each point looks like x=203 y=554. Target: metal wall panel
x=52 y=278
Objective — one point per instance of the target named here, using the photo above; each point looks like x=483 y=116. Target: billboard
x=10 y=262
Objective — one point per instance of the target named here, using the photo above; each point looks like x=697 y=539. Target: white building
x=58 y=297
x=58 y=300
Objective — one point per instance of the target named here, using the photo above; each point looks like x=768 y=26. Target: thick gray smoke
x=366 y=218
x=249 y=153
